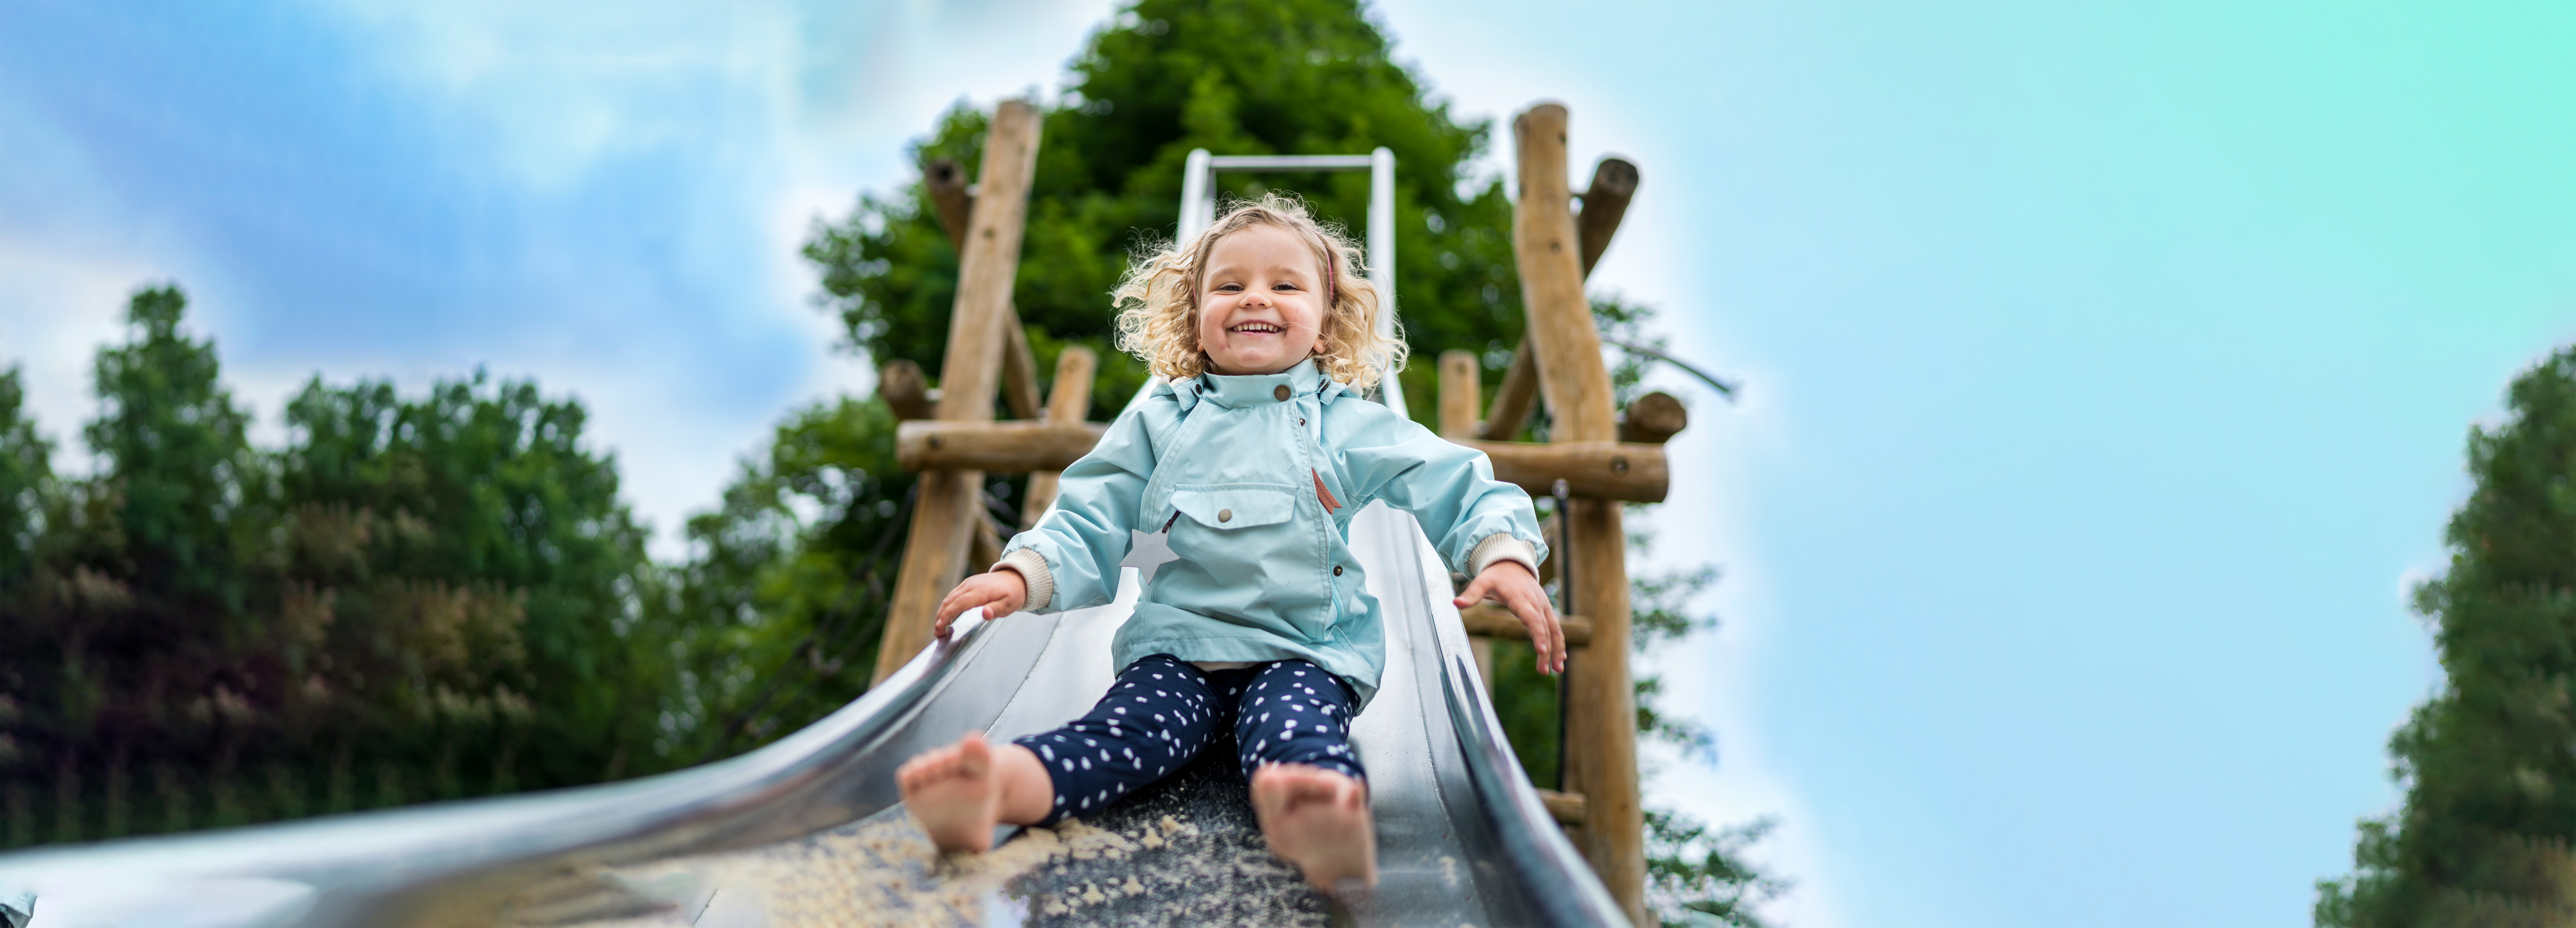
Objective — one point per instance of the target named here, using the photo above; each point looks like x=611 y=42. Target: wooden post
x=954 y=207
x=903 y=387
x=1070 y=402
x=1653 y=419
x=1459 y=401
x=1458 y=395
x=984 y=548
x=1601 y=718
x=944 y=514
x=1614 y=183
x=1514 y=398
x=1605 y=203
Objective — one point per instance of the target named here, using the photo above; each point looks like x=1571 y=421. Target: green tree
x=2483 y=836
x=420 y=597
x=185 y=487
x=1167 y=76
x=482 y=572
x=783 y=600
x=141 y=589
x=26 y=479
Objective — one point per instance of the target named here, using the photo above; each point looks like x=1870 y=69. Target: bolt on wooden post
x=945 y=514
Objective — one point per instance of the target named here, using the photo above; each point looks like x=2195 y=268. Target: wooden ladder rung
x=1628 y=471
x=998 y=447
x=1497 y=622
x=1566 y=807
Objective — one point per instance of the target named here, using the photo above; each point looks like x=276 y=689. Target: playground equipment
x=808 y=830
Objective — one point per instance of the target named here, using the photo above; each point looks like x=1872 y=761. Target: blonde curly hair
x=1158 y=312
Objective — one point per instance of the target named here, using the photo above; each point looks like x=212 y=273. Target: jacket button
x=1279 y=393
x=1337 y=570
x=1225 y=515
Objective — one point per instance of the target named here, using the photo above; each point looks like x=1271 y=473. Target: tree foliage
x=26 y=482
x=2490 y=808
x=417 y=598
x=783 y=600
x=1165 y=77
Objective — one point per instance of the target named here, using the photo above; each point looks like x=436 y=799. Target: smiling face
x=1261 y=301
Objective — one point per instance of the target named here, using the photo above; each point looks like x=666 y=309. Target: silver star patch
x=1148 y=552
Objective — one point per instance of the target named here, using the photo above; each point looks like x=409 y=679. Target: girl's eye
x=1283 y=285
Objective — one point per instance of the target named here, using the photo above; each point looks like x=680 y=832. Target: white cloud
x=57 y=305
x=826 y=100
x=811 y=104
x=65 y=273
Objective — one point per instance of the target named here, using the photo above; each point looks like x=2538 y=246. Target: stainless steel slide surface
x=808 y=830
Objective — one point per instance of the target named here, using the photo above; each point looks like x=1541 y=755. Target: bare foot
x=1318 y=820
x=953 y=792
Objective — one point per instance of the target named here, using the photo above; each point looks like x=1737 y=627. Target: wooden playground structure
x=1597 y=457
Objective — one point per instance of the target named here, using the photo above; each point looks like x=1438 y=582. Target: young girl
x=1250 y=461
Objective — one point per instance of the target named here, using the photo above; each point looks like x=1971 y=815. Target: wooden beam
x=1001 y=447
x=1614 y=183
x=1601 y=717
x=1458 y=400
x=1653 y=419
x=953 y=205
x=1493 y=621
x=1552 y=529
x=944 y=513
x=1566 y=808
x=986 y=548
x=1591 y=469
x=1070 y=402
x=949 y=201
x=1020 y=371
x=1514 y=399
x=906 y=390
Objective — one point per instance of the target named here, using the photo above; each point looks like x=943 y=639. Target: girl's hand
x=1517 y=589
x=1001 y=593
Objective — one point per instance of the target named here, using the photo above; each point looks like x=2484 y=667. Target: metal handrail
x=1501 y=810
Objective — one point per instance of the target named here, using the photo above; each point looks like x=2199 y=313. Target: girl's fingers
x=1475 y=593
x=1555 y=631
x=959 y=600
x=1543 y=636
x=1555 y=641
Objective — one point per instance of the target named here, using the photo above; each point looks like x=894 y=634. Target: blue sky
x=2108 y=364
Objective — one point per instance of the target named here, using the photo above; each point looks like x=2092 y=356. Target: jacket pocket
x=1226 y=507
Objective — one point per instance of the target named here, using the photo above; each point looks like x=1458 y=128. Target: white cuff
x=1501 y=546
x=1032 y=568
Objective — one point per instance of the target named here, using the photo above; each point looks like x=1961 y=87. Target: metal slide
x=808 y=830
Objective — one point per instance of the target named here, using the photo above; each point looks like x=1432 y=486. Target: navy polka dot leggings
x=1162 y=712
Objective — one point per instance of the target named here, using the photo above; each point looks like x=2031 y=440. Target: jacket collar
x=1249 y=390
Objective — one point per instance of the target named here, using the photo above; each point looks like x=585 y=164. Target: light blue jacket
x=1230 y=465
